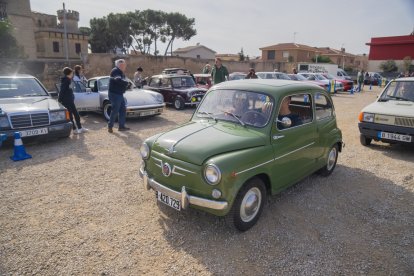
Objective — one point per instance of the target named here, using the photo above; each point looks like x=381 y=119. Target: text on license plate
x=394 y=136
x=34 y=132
x=172 y=202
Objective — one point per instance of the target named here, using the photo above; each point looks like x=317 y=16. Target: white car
x=319 y=77
x=390 y=118
x=272 y=75
x=94 y=97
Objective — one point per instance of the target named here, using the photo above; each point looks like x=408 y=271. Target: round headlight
x=212 y=174
x=145 y=151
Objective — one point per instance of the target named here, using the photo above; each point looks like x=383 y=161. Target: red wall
x=393 y=47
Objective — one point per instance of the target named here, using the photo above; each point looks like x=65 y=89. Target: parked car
x=374 y=78
x=179 y=90
x=27 y=107
x=272 y=75
x=341 y=74
x=237 y=76
x=347 y=84
x=203 y=80
x=94 y=97
x=249 y=149
x=178 y=71
x=320 y=78
x=390 y=118
x=298 y=77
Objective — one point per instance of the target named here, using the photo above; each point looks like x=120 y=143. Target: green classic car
x=246 y=140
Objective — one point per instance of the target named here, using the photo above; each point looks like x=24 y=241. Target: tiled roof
x=327 y=51
x=190 y=48
x=290 y=46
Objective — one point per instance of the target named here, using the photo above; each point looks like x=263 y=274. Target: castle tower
x=72 y=19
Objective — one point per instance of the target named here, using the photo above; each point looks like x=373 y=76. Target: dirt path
x=78 y=207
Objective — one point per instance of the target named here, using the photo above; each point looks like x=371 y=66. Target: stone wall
x=50 y=71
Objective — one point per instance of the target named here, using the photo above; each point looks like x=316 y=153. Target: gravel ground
x=79 y=207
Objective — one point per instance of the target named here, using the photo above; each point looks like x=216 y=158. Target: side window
x=154 y=82
x=165 y=82
x=323 y=107
x=297 y=108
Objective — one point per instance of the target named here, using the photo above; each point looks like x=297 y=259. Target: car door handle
x=275 y=137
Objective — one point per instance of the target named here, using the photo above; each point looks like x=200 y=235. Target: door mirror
x=286 y=122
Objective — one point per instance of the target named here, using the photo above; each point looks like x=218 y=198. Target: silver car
x=27 y=107
x=94 y=97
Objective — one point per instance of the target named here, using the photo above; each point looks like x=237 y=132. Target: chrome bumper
x=183 y=196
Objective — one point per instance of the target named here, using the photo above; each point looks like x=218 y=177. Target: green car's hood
x=195 y=141
x=391 y=107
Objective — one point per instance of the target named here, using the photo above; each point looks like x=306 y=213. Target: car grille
x=29 y=120
x=406 y=122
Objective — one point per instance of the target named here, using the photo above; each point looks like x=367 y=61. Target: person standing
x=67 y=99
x=117 y=87
x=219 y=72
x=251 y=74
x=78 y=75
x=138 y=77
x=360 y=80
x=206 y=69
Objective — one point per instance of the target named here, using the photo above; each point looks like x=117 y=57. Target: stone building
x=198 y=51
x=43 y=35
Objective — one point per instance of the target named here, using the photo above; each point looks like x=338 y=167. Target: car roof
x=20 y=76
x=405 y=79
x=170 y=75
x=269 y=86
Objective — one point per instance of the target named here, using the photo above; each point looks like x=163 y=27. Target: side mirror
x=286 y=122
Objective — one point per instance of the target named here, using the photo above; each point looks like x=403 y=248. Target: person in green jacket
x=219 y=72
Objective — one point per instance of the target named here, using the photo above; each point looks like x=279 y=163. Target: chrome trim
x=185 y=199
x=179 y=168
x=274 y=159
x=174 y=167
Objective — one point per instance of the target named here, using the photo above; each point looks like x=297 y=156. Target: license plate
x=395 y=137
x=167 y=200
x=34 y=132
x=147 y=113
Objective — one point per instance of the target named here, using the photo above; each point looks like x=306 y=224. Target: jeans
x=70 y=106
x=118 y=107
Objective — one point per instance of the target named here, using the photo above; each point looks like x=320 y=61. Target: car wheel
x=107 y=110
x=179 y=103
x=364 y=140
x=330 y=162
x=248 y=205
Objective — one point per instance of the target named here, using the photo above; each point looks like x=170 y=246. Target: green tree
x=8 y=45
x=242 y=57
x=388 y=66
x=407 y=63
x=100 y=37
x=322 y=59
x=156 y=26
x=178 y=26
x=85 y=31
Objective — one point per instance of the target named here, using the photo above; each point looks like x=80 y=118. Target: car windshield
x=320 y=77
x=329 y=76
x=399 y=90
x=184 y=81
x=242 y=107
x=283 y=77
x=238 y=77
x=20 y=87
x=297 y=77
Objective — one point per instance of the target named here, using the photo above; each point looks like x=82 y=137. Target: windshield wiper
x=398 y=98
x=209 y=114
x=235 y=116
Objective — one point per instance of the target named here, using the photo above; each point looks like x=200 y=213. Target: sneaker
x=76 y=131
x=123 y=129
x=83 y=130
x=110 y=130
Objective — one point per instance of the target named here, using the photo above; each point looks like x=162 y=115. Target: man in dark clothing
x=67 y=99
x=117 y=87
x=251 y=74
x=219 y=72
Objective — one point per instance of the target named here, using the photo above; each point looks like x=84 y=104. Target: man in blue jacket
x=117 y=87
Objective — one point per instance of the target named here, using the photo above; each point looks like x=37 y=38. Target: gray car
x=27 y=107
x=93 y=96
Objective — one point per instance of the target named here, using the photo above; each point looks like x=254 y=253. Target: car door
x=294 y=147
x=325 y=122
x=85 y=99
x=167 y=90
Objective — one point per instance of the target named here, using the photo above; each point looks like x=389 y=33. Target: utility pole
x=66 y=33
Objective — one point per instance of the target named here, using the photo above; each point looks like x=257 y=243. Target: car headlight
x=366 y=117
x=212 y=174
x=126 y=102
x=160 y=98
x=4 y=122
x=144 y=150
x=56 y=116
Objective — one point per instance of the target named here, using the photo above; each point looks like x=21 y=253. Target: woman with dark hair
x=67 y=99
x=78 y=75
x=251 y=74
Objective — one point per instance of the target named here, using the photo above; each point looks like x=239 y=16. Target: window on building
x=285 y=54
x=271 y=55
x=77 y=48
x=55 y=46
x=198 y=56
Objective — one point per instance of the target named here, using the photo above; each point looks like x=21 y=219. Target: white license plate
x=34 y=132
x=167 y=200
x=147 y=113
x=395 y=137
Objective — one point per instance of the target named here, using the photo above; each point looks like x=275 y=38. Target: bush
x=389 y=66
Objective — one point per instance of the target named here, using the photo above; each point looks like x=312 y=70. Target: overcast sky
x=226 y=26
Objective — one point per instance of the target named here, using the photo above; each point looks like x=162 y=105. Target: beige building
x=198 y=51
x=339 y=57
x=42 y=35
x=289 y=52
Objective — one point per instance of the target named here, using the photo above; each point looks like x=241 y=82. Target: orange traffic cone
x=19 y=150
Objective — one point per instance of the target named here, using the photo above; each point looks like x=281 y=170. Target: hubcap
x=177 y=104
x=331 y=158
x=250 y=204
x=108 y=109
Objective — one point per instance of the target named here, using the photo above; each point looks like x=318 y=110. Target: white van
x=343 y=75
